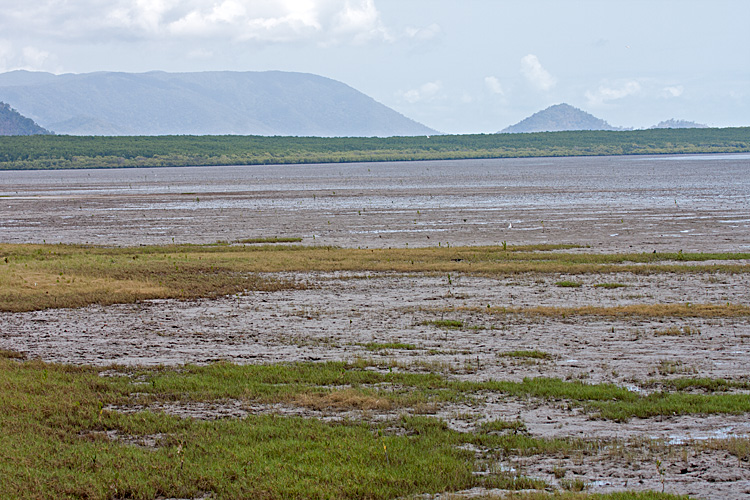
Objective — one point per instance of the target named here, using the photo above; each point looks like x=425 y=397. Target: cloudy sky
x=463 y=66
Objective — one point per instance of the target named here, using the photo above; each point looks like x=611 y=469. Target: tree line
x=61 y=152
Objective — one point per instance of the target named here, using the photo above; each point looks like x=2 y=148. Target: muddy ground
x=343 y=316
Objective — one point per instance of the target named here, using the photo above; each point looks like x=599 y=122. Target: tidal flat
x=491 y=363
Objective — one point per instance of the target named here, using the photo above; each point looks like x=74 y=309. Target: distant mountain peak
x=557 y=118
x=201 y=103
x=14 y=123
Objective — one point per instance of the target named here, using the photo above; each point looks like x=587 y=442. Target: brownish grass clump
x=341 y=400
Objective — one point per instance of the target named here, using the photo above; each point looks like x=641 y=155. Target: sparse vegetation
x=525 y=354
x=568 y=284
x=610 y=286
x=446 y=323
x=269 y=240
x=379 y=426
x=381 y=346
x=677 y=331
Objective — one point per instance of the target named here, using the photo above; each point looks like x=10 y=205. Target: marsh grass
x=268 y=240
x=534 y=354
x=568 y=284
x=610 y=286
x=37 y=277
x=677 y=331
x=737 y=446
x=692 y=384
x=62 y=437
x=450 y=324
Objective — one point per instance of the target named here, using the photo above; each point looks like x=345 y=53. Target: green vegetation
x=76 y=431
x=610 y=286
x=568 y=284
x=525 y=354
x=12 y=123
x=54 y=152
x=451 y=324
x=271 y=239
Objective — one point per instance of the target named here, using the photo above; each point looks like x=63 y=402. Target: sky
x=458 y=66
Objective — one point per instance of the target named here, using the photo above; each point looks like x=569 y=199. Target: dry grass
x=677 y=331
x=341 y=400
x=36 y=277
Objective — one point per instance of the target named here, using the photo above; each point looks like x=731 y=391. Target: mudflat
x=465 y=326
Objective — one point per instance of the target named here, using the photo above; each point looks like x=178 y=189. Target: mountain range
x=205 y=103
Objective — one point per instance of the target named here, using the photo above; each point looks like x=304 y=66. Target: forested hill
x=557 y=118
x=53 y=152
x=219 y=102
x=13 y=123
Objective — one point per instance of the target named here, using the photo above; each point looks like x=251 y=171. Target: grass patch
x=525 y=354
x=501 y=425
x=677 y=331
x=610 y=286
x=450 y=324
x=703 y=384
x=62 y=438
x=58 y=442
x=269 y=240
x=568 y=284
x=8 y=354
x=37 y=277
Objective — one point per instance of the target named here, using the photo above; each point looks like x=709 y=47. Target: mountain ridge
x=201 y=103
x=14 y=123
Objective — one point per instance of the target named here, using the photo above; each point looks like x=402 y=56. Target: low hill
x=559 y=118
x=205 y=103
x=672 y=123
x=14 y=123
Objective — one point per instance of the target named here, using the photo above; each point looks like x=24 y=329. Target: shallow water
x=612 y=202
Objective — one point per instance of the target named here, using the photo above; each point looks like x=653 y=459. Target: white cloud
x=28 y=58
x=34 y=58
x=426 y=33
x=494 y=86
x=533 y=71
x=309 y=21
x=604 y=94
x=674 y=91
x=426 y=92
